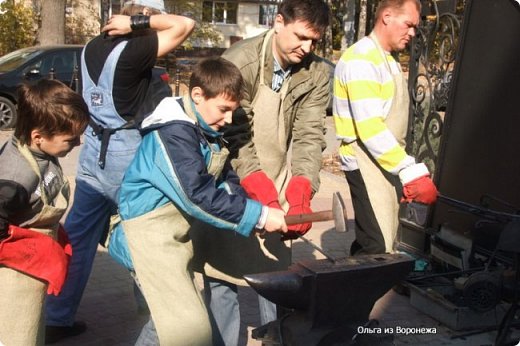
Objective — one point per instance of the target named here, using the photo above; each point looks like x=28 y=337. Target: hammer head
x=339 y=212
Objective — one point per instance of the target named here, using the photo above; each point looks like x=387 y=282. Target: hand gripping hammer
x=338 y=214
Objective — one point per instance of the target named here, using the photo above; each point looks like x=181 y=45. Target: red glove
x=417 y=185
x=37 y=255
x=260 y=188
x=298 y=195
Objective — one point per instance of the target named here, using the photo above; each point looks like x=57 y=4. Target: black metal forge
x=328 y=300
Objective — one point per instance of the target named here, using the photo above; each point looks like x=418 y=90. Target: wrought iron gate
x=464 y=118
x=430 y=69
x=432 y=57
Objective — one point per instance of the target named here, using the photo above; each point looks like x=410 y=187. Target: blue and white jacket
x=171 y=166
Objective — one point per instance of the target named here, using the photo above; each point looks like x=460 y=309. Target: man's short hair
x=50 y=107
x=316 y=12
x=394 y=4
x=130 y=7
x=132 y=10
x=217 y=76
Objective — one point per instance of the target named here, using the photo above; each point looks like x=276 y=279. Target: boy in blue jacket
x=180 y=179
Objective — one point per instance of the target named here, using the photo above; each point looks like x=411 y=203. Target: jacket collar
x=191 y=111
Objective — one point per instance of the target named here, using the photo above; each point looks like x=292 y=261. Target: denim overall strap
x=105 y=120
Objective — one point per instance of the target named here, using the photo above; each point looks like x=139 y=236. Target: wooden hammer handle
x=325 y=215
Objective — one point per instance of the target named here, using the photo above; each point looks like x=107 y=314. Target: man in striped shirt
x=370 y=110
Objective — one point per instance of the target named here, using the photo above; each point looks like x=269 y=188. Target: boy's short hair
x=51 y=107
x=216 y=76
x=316 y=12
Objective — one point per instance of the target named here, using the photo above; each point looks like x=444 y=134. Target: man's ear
x=387 y=16
x=197 y=95
x=279 y=23
x=147 y=11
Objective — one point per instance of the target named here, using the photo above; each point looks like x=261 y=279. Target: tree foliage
x=204 y=33
x=17 y=29
x=82 y=22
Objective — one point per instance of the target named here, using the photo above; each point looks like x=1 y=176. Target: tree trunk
x=362 y=19
x=349 y=25
x=52 y=30
x=324 y=48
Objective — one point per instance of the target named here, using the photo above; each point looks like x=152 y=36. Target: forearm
x=308 y=140
x=196 y=191
x=307 y=157
x=171 y=29
x=362 y=102
x=383 y=146
x=4 y=226
x=13 y=198
x=244 y=159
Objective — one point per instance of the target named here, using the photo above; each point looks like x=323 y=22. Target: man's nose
x=307 y=46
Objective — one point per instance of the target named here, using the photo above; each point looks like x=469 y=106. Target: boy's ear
x=197 y=95
x=36 y=136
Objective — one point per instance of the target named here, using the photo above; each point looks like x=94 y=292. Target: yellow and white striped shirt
x=363 y=95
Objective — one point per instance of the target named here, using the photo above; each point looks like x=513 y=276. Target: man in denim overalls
x=116 y=69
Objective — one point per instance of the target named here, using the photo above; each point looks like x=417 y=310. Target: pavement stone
x=109 y=309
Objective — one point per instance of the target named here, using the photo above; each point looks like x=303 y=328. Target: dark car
x=34 y=63
x=30 y=65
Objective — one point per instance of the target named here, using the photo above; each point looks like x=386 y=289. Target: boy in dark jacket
x=33 y=198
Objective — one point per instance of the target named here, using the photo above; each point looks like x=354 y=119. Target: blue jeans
x=86 y=224
x=223 y=308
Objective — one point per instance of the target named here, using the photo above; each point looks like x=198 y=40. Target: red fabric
x=298 y=195
x=420 y=190
x=37 y=255
x=260 y=188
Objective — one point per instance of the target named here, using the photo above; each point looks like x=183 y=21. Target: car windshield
x=17 y=58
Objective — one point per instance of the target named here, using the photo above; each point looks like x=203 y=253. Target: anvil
x=325 y=297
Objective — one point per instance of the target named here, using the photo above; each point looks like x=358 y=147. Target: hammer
x=338 y=214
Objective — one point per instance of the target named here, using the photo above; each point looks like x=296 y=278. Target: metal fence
x=432 y=59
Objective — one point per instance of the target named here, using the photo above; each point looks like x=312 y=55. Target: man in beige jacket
x=284 y=108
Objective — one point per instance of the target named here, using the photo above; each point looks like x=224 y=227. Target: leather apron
x=226 y=255
x=162 y=251
x=382 y=186
x=22 y=296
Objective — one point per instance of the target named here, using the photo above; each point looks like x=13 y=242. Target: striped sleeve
x=363 y=95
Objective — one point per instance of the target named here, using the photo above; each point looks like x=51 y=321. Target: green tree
x=81 y=22
x=16 y=26
x=204 y=32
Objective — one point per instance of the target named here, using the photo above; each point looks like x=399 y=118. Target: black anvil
x=327 y=300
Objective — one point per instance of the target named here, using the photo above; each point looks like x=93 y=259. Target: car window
x=54 y=61
x=17 y=58
x=62 y=63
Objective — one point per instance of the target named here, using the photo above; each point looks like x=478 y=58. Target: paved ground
x=110 y=311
